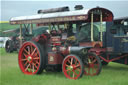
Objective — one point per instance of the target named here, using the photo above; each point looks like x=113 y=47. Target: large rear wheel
x=73 y=67
x=31 y=58
x=92 y=65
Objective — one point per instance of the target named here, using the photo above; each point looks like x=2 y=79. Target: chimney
x=78 y=7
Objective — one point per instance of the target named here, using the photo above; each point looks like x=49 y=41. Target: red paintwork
x=55 y=39
x=114 y=59
x=57 y=58
x=92 y=44
x=24 y=63
x=40 y=38
x=107 y=15
x=64 y=50
x=98 y=51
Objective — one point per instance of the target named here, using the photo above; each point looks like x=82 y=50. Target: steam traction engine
x=61 y=46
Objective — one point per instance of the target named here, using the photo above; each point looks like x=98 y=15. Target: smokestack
x=78 y=7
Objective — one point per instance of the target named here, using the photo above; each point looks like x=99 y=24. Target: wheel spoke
x=77 y=65
x=26 y=63
x=78 y=69
x=36 y=58
x=75 y=62
x=27 y=67
x=73 y=75
x=67 y=65
x=37 y=62
x=29 y=50
x=33 y=52
x=23 y=59
x=67 y=70
x=35 y=66
x=94 y=61
x=71 y=61
x=24 y=54
x=26 y=51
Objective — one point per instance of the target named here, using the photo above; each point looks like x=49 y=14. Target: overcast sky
x=21 y=8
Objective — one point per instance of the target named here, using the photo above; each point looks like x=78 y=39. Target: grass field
x=6 y=26
x=113 y=74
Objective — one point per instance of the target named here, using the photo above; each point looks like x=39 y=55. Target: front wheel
x=31 y=58
x=73 y=67
x=92 y=65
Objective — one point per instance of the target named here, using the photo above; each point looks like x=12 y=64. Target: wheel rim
x=29 y=58
x=71 y=67
x=92 y=66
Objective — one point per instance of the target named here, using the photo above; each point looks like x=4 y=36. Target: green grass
x=113 y=74
x=7 y=26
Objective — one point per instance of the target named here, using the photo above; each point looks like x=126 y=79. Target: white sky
x=15 y=8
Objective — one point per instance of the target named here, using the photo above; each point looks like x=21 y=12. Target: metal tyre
x=93 y=65
x=73 y=67
x=8 y=46
x=31 y=58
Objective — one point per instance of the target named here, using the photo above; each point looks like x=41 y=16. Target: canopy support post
x=92 y=27
x=20 y=37
x=58 y=26
x=49 y=27
x=101 y=32
x=31 y=29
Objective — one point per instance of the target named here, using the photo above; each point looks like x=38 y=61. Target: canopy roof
x=69 y=16
x=120 y=20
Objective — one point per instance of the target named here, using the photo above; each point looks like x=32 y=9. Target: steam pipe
x=101 y=33
x=92 y=27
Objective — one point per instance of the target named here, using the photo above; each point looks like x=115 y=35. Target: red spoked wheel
x=30 y=58
x=93 y=65
x=73 y=67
